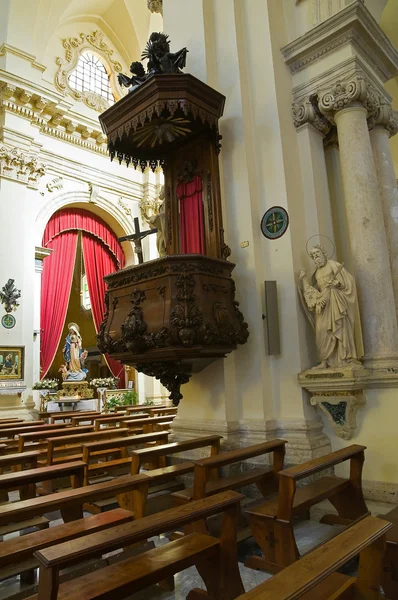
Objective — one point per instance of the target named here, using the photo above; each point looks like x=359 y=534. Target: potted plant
x=129 y=398
x=102 y=384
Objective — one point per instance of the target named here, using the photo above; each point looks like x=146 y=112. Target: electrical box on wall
x=271 y=318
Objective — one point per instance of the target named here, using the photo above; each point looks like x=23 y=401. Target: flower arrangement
x=107 y=382
x=127 y=399
x=46 y=384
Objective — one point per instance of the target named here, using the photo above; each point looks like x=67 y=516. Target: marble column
x=347 y=105
x=383 y=126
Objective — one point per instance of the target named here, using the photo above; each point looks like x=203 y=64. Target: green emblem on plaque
x=8 y=321
x=274 y=223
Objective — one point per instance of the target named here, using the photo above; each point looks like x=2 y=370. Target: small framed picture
x=11 y=362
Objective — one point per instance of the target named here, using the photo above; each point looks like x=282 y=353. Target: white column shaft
x=380 y=139
x=368 y=238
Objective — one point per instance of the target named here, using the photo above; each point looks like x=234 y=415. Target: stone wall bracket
x=341 y=409
x=338 y=393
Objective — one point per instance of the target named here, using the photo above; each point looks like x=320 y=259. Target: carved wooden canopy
x=159 y=116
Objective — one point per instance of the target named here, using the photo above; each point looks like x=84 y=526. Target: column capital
x=306 y=111
x=155 y=6
x=384 y=116
x=354 y=90
x=20 y=166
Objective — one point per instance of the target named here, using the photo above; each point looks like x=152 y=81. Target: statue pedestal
x=75 y=390
x=338 y=393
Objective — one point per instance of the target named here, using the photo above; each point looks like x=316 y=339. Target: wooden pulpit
x=173 y=316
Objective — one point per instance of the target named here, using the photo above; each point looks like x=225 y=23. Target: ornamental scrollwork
x=345 y=93
x=19 y=166
x=171 y=375
x=186 y=317
x=9 y=296
x=73 y=49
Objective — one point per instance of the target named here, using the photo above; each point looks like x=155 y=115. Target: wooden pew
x=272 y=522
x=315 y=576
x=389 y=579
x=140 y=408
x=60 y=416
x=5 y=422
x=17 y=462
x=16 y=555
x=21 y=425
x=88 y=419
x=129 y=491
x=71 y=445
x=37 y=440
x=162 y=411
x=158 y=454
x=215 y=559
x=107 y=450
x=10 y=432
x=265 y=478
x=26 y=481
x=148 y=424
x=108 y=420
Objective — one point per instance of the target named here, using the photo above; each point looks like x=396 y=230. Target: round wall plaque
x=274 y=223
x=8 y=321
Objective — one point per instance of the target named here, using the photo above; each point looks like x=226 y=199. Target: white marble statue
x=157 y=221
x=329 y=302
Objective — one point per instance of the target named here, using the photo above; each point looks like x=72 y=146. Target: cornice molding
x=20 y=166
x=51 y=120
x=73 y=49
x=8 y=49
x=355 y=26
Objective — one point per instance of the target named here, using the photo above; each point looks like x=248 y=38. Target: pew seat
x=389 y=579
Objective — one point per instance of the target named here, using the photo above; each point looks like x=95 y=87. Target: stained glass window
x=90 y=76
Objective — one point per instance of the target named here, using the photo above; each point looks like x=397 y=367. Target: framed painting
x=11 y=362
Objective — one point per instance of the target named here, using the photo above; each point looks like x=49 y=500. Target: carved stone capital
x=155 y=6
x=384 y=116
x=22 y=167
x=307 y=112
x=352 y=91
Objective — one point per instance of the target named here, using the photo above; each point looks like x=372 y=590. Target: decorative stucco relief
x=21 y=166
x=73 y=48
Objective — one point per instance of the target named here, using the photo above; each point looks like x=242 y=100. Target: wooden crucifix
x=137 y=238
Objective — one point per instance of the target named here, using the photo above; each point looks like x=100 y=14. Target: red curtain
x=55 y=291
x=100 y=262
x=192 y=231
x=80 y=219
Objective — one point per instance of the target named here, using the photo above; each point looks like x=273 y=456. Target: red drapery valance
x=192 y=230
x=102 y=255
x=79 y=219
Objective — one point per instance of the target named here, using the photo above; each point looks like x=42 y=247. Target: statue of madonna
x=74 y=356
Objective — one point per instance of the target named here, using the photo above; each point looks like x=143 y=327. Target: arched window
x=90 y=75
x=84 y=294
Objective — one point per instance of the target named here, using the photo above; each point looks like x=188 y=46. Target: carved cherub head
x=136 y=68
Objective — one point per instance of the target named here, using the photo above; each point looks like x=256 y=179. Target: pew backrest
x=10 y=433
x=205 y=466
x=75 y=441
x=149 y=454
x=19 y=459
x=43 y=435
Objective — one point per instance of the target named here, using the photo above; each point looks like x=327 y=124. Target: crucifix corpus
x=137 y=238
